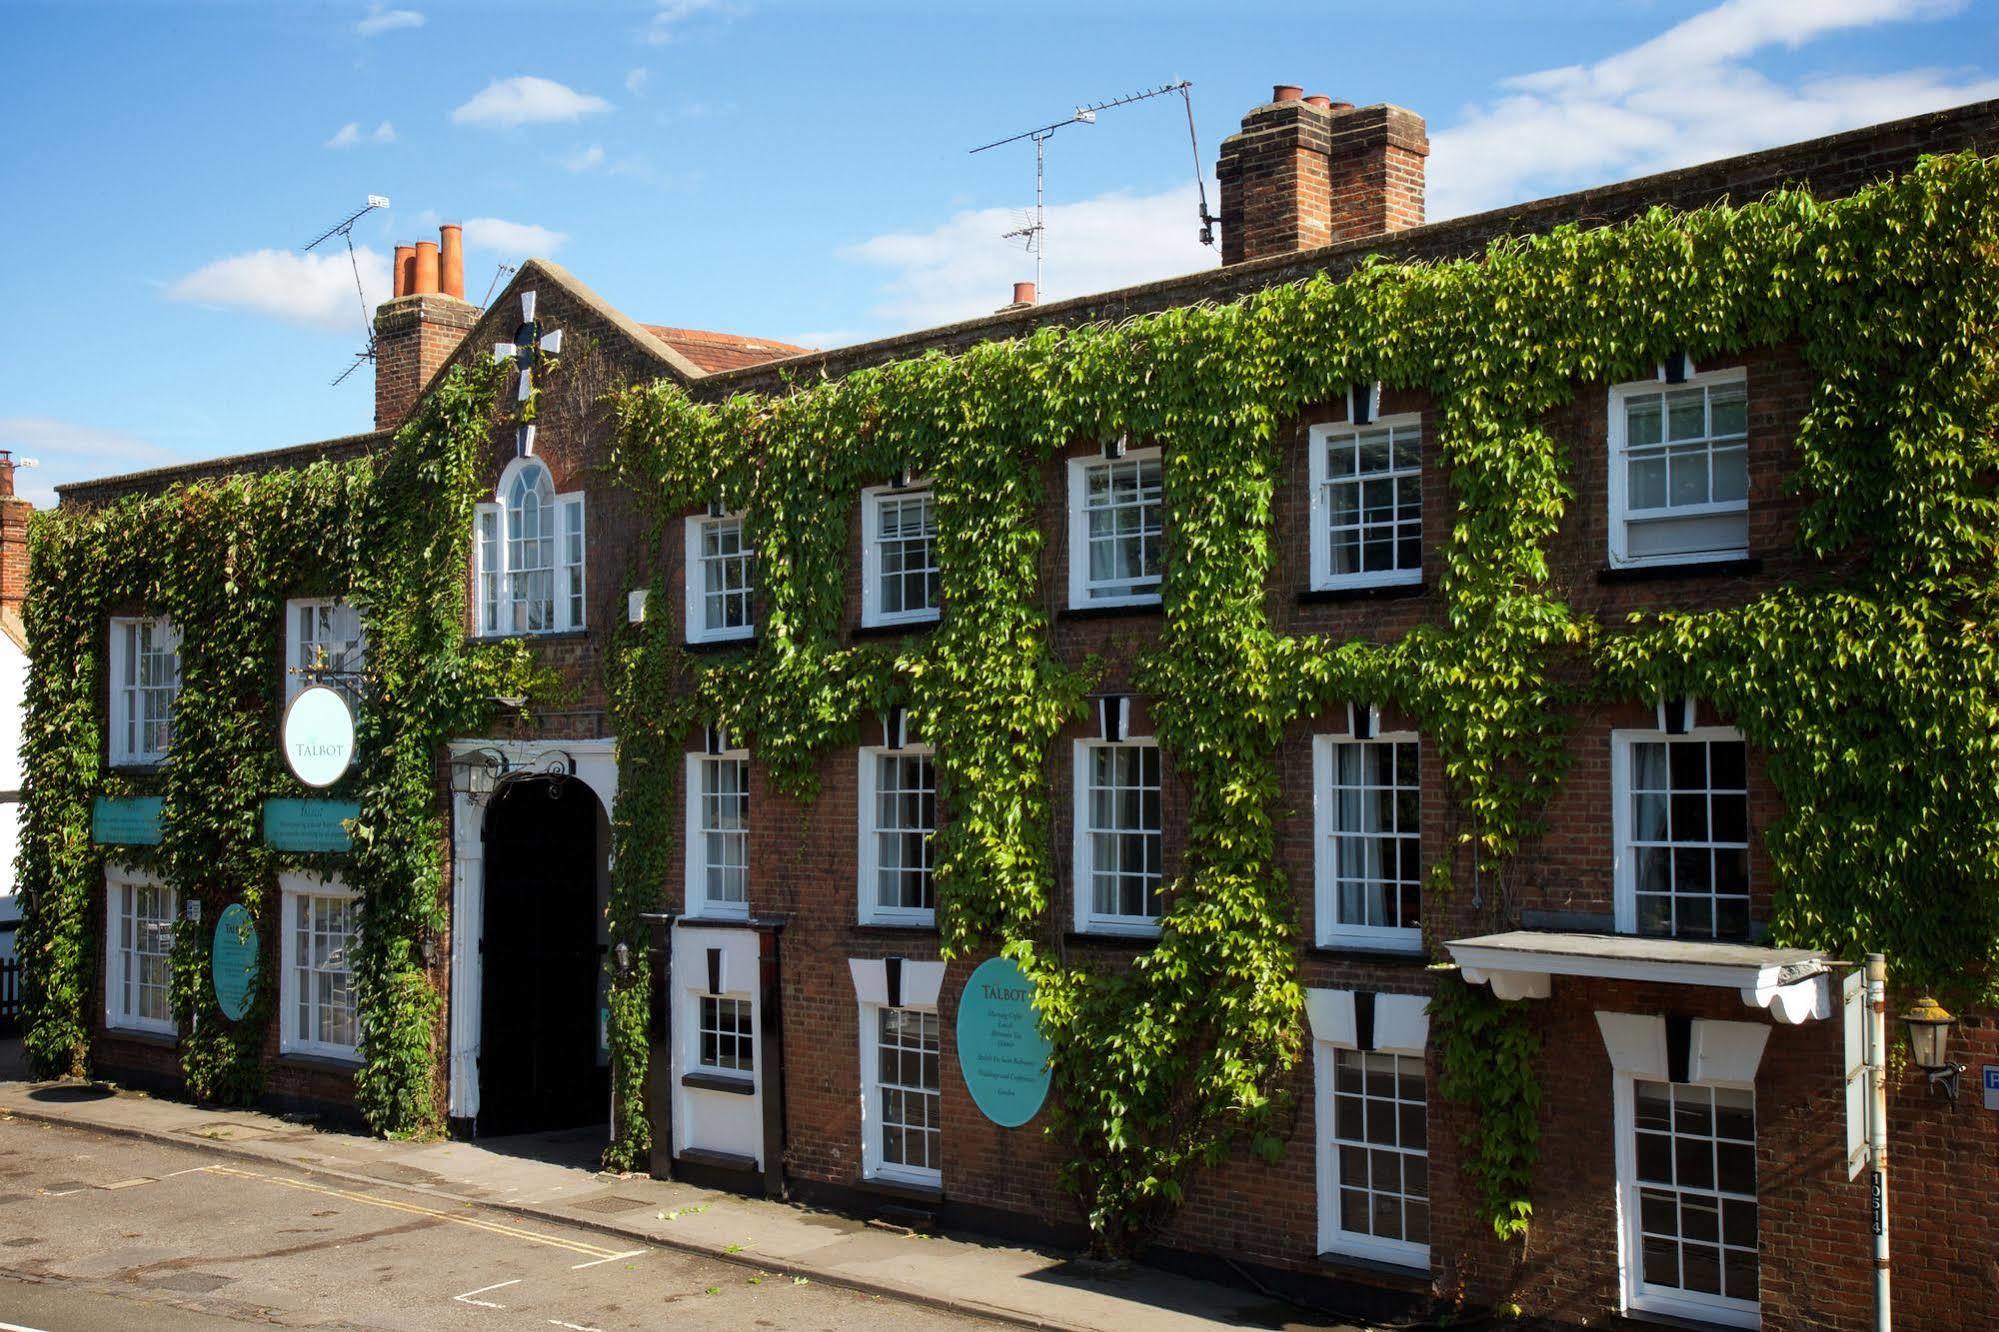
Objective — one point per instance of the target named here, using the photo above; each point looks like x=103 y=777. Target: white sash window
x=528 y=550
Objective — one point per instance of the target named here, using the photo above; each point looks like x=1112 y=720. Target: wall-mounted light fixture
x=1928 y=1024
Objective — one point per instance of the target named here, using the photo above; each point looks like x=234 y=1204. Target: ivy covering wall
x=220 y=559
x=1872 y=697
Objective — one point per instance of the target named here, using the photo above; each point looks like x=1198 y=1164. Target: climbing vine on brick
x=220 y=559
x=1163 y=1065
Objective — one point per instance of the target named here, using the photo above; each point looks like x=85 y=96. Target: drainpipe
x=1877 y=1127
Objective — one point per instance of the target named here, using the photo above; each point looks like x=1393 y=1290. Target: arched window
x=530 y=555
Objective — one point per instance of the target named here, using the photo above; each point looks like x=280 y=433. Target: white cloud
x=962 y=268
x=1683 y=97
x=635 y=82
x=65 y=451
x=310 y=290
x=351 y=133
x=672 y=13
x=825 y=339
x=584 y=159
x=516 y=240
x=381 y=20
x=526 y=100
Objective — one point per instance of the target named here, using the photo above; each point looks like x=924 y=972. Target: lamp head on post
x=1928 y=1024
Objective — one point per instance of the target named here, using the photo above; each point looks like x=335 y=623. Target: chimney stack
x=1310 y=171
x=14 y=513
x=419 y=328
x=1023 y=297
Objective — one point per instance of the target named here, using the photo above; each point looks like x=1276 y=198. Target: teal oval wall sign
x=1001 y=1051
x=234 y=960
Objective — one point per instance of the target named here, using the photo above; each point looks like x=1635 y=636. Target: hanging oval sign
x=1001 y=1051
x=233 y=960
x=319 y=736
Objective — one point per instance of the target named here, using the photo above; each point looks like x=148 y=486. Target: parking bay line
x=580 y=1247
x=466 y=1298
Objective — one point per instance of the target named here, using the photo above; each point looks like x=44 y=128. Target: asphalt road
x=101 y=1232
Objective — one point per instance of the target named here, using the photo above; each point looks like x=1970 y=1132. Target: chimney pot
x=451 y=260
x=6 y=471
x=1320 y=100
x=1023 y=293
x=405 y=269
x=1286 y=92
x=426 y=268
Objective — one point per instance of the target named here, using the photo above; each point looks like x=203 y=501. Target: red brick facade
x=1812 y=1237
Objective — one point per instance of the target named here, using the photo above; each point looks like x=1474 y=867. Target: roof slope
x=722 y=351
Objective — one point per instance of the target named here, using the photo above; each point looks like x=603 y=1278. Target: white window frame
x=1082 y=888
x=867 y=789
x=1620 y=514
x=872 y=1164
x=118 y=882
x=1081 y=594
x=345 y=614
x=1328 y=930
x=1333 y=1238
x=1321 y=436
x=493 y=600
x=127 y=733
x=293 y=889
x=872 y=501
x=1634 y=1291
x=748 y=1006
x=1625 y=866
x=695 y=582
x=698 y=902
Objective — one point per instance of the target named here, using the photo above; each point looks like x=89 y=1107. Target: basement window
x=145 y=679
x=1117 y=525
x=1679 y=470
x=529 y=564
x=721 y=579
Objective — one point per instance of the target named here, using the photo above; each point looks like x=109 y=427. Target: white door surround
x=597 y=768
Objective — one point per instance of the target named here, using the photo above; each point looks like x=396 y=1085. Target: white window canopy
x=1792 y=983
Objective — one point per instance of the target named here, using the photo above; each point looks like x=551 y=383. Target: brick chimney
x=421 y=325
x=1309 y=171
x=14 y=513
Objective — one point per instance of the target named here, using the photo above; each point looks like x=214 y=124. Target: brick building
x=804 y=1021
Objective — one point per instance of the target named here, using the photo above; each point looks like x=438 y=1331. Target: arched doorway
x=542 y=959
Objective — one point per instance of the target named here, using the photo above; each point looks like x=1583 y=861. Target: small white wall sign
x=319 y=736
x=1992 y=1086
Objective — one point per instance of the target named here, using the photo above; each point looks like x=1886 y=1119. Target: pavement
x=552 y=1179
x=104 y=1233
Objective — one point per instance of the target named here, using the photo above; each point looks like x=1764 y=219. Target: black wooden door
x=538 y=1020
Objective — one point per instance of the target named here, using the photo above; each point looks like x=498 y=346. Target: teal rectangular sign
x=125 y=821
x=309 y=825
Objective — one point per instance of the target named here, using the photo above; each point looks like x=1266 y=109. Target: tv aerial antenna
x=1034 y=235
x=345 y=230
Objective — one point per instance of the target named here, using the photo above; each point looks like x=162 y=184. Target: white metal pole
x=1040 y=212
x=1877 y=1127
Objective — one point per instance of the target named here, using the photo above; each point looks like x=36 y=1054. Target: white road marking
x=577 y=1267
x=18 y=1327
x=573 y=1327
x=197 y=1170
x=129 y=1183
x=466 y=1298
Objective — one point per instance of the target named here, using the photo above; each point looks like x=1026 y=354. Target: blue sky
x=774 y=167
